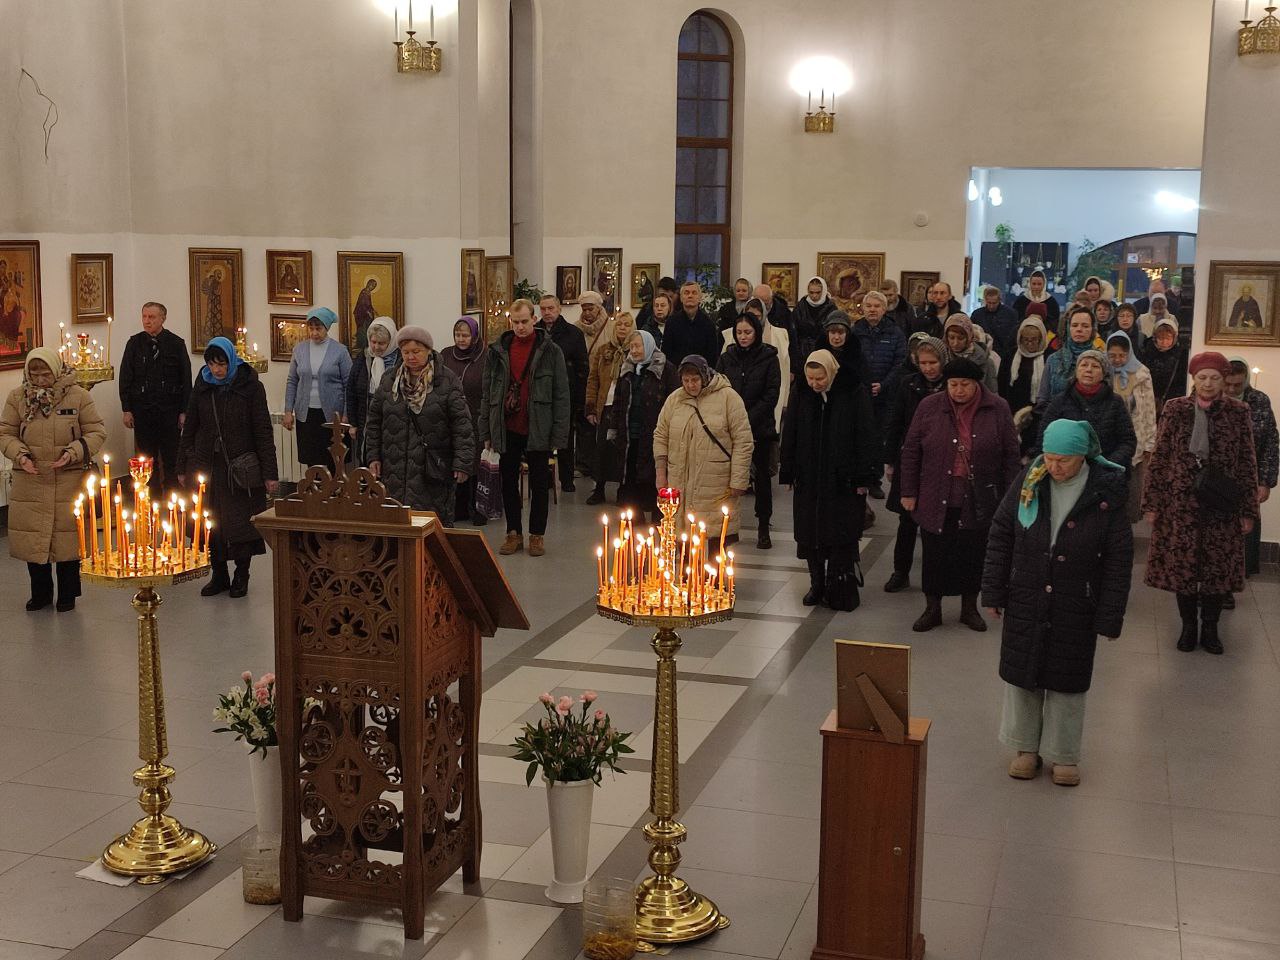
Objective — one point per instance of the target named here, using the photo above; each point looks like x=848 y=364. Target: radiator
x=286 y=450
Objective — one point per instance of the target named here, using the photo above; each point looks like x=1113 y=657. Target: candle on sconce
x=411 y=16
x=432 y=14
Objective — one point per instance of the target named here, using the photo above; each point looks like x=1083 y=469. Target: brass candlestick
x=158 y=845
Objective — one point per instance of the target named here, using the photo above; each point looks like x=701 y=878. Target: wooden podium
x=378 y=617
x=870 y=862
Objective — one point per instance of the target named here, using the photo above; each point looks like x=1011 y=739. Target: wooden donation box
x=873 y=778
x=378 y=618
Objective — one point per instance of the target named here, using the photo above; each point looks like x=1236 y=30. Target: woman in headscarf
x=830 y=456
x=228 y=426
x=1159 y=310
x=1060 y=369
x=962 y=341
x=1167 y=361
x=809 y=318
x=924 y=381
x=752 y=368
x=1126 y=322
x=1131 y=382
x=420 y=436
x=1201 y=497
x=367 y=369
x=702 y=444
x=316 y=387
x=51 y=430
x=1090 y=398
x=644 y=382
x=1018 y=381
x=606 y=362
x=1104 y=317
x=466 y=359
x=1058 y=565
x=960 y=456
x=1037 y=291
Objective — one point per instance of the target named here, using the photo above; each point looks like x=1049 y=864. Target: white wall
x=1241 y=205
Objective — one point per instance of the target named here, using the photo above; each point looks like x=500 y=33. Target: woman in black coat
x=466 y=359
x=925 y=380
x=830 y=456
x=808 y=320
x=1090 y=397
x=643 y=385
x=1058 y=566
x=378 y=356
x=227 y=417
x=753 y=371
x=1166 y=358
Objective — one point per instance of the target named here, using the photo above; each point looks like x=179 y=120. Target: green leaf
x=530 y=772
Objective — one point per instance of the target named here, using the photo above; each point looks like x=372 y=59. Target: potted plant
x=571 y=747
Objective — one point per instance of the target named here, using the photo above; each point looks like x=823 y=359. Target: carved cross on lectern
x=338 y=448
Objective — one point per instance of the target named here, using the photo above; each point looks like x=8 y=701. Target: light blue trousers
x=1044 y=722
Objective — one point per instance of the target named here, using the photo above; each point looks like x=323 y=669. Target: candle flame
x=599 y=552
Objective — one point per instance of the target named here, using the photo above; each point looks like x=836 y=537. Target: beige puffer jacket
x=41 y=527
x=695 y=465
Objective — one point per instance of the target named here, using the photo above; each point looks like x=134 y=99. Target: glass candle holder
x=609 y=920
x=260 y=866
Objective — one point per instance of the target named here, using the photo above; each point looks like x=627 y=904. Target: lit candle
x=724 y=524
x=164 y=558
x=108 y=340
x=729 y=572
x=106 y=504
x=604 y=534
x=93 y=521
x=599 y=569
x=208 y=528
x=617 y=563
x=130 y=552
x=155 y=533
x=119 y=528
x=182 y=533
x=79 y=525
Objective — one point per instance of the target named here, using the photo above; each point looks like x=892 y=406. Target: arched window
x=704 y=141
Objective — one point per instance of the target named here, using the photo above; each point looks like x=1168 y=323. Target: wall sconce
x=1260 y=37
x=827 y=75
x=413 y=56
x=973 y=191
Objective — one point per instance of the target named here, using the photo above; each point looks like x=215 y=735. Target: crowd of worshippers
x=1018 y=444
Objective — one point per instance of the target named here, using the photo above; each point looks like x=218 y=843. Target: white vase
x=264 y=772
x=569 y=807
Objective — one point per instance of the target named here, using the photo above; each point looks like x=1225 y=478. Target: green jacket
x=548 y=395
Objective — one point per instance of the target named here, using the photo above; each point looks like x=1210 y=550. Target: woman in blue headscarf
x=316 y=387
x=644 y=382
x=227 y=439
x=1059 y=560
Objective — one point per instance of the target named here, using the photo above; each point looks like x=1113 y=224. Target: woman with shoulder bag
x=227 y=436
x=1201 y=500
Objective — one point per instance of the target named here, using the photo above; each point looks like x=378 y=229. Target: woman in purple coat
x=960 y=455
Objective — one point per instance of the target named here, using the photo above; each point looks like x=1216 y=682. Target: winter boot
x=932 y=616
x=1188 y=609
x=817 y=583
x=969 y=614
x=1210 y=610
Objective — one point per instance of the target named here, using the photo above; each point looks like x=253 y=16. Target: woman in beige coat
x=51 y=431
x=702 y=445
x=606 y=361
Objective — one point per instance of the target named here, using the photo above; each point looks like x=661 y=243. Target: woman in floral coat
x=1197 y=552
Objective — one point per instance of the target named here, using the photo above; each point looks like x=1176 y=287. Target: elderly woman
x=367 y=369
x=1060 y=370
x=1266 y=450
x=962 y=340
x=51 y=430
x=606 y=363
x=1091 y=398
x=1167 y=361
x=1159 y=310
x=466 y=359
x=753 y=371
x=227 y=436
x=1201 y=498
x=1126 y=322
x=702 y=443
x=1018 y=381
x=316 y=388
x=1058 y=566
x=1131 y=382
x=420 y=438
x=924 y=382
x=830 y=456
x=960 y=455
x=646 y=380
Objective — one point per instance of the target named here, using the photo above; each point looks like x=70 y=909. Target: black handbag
x=244 y=471
x=1216 y=491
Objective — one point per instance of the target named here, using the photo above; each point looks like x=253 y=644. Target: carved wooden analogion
x=379 y=612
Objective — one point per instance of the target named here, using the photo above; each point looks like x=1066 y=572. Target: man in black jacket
x=940 y=305
x=690 y=331
x=155 y=386
x=568 y=337
x=999 y=321
x=776 y=310
x=900 y=312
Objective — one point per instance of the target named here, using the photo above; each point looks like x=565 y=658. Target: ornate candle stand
x=667 y=909
x=158 y=845
x=91 y=366
x=249 y=356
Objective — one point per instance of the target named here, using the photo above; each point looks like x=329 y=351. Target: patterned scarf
x=414 y=389
x=39 y=400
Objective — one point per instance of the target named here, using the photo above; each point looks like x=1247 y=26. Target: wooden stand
x=378 y=614
x=870 y=863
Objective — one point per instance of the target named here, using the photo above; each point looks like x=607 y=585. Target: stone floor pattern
x=1170 y=848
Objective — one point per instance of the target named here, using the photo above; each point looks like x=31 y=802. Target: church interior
x=245 y=162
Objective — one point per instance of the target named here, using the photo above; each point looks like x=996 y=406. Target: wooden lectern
x=870 y=862
x=378 y=618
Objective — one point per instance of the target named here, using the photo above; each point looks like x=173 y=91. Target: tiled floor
x=1169 y=848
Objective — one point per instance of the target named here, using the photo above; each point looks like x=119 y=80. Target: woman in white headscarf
x=809 y=319
x=373 y=361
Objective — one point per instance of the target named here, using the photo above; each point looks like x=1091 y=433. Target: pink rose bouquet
x=572 y=742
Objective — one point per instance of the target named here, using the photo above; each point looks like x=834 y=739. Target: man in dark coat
x=573 y=345
x=776 y=310
x=939 y=305
x=690 y=331
x=1000 y=322
x=1058 y=567
x=899 y=311
x=884 y=351
x=155 y=388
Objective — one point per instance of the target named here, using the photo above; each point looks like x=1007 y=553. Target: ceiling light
x=1175 y=201
x=995 y=196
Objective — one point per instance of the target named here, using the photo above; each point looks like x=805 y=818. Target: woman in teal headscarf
x=227 y=437
x=1057 y=571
